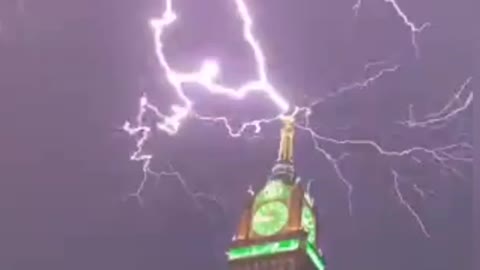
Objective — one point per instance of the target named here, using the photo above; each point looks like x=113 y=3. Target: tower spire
x=285 y=151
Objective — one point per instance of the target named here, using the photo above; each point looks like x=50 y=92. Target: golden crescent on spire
x=285 y=152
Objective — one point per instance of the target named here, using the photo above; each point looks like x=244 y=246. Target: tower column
x=285 y=151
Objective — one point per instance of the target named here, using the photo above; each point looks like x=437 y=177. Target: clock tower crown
x=278 y=228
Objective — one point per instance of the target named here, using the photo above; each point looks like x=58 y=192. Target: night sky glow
x=381 y=90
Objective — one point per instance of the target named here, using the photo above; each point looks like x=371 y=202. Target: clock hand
x=265 y=218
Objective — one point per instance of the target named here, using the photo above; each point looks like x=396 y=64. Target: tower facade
x=278 y=228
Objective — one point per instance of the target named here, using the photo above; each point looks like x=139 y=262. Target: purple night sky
x=71 y=73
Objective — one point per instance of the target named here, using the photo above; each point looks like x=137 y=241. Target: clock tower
x=278 y=228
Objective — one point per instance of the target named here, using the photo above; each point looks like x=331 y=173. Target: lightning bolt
x=407 y=205
x=456 y=105
x=206 y=78
x=414 y=29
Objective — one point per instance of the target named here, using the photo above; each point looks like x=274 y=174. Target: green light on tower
x=317 y=260
x=308 y=223
x=264 y=249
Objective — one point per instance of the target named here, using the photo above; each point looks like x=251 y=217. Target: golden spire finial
x=285 y=152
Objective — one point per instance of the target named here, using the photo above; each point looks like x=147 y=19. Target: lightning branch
x=172 y=119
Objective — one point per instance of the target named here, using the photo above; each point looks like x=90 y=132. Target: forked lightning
x=206 y=78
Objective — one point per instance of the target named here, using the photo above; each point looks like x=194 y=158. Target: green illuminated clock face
x=270 y=218
x=308 y=223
